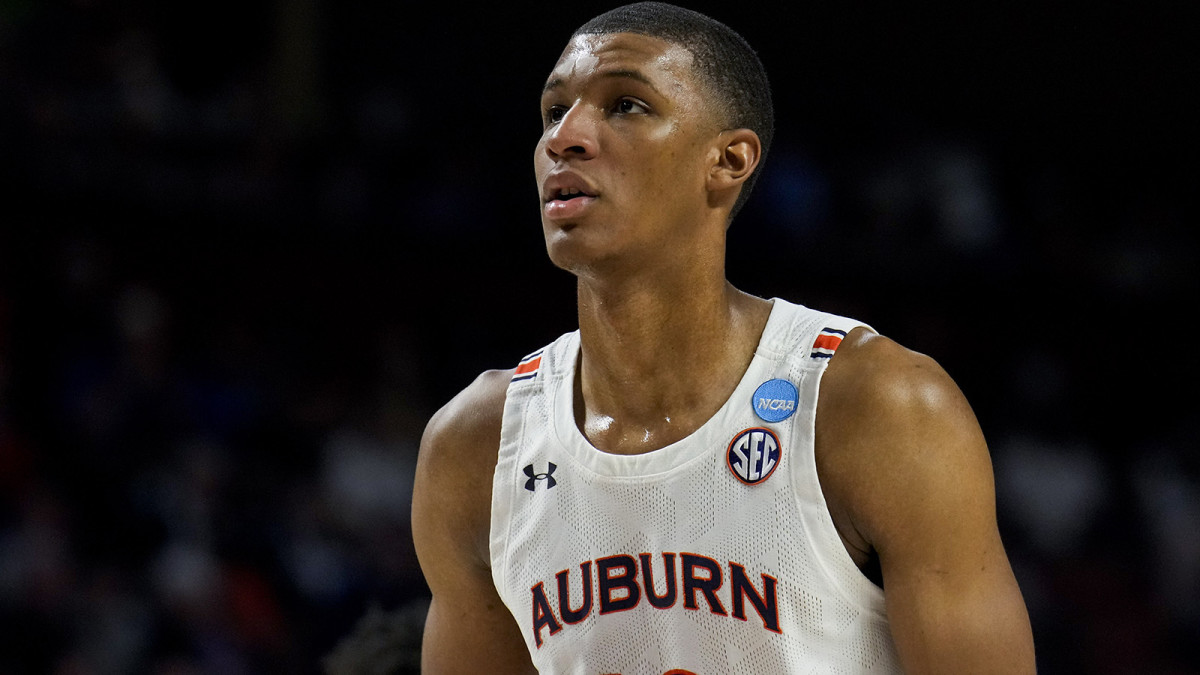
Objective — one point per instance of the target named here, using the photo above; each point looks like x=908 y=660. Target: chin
x=571 y=251
x=566 y=255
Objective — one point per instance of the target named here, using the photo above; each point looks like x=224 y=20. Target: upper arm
x=913 y=473
x=468 y=628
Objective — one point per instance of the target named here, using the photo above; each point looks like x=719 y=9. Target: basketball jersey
x=715 y=554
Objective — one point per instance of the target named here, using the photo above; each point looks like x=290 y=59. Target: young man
x=698 y=480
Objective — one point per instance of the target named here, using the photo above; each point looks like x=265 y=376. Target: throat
x=607 y=435
x=648 y=379
x=639 y=414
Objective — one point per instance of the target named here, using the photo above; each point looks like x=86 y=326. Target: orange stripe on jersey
x=528 y=366
x=826 y=341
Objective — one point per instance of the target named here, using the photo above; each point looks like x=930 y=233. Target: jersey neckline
x=678 y=453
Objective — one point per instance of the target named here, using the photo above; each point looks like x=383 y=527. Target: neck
x=660 y=357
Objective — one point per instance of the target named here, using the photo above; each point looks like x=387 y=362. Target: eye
x=554 y=114
x=630 y=106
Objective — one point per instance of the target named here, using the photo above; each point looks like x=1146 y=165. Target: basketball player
x=699 y=480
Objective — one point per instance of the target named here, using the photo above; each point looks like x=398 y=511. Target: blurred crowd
x=246 y=251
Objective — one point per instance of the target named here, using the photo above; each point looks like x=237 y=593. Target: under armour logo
x=531 y=484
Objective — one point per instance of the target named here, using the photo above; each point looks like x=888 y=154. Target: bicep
x=468 y=628
x=952 y=600
x=954 y=621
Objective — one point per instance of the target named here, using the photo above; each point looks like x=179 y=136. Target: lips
x=566 y=194
x=567 y=207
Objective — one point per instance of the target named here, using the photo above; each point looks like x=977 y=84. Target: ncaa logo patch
x=775 y=400
x=753 y=455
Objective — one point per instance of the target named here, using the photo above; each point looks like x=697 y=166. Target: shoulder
x=893 y=426
x=907 y=475
x=473 y=415
x=457 y=458
x=873 y=375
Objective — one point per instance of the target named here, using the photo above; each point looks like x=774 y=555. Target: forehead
x=664 y=65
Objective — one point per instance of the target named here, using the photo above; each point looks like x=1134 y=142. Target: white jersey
x=715 y=554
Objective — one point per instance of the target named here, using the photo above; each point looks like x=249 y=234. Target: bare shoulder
x=879 y=376
x=891 y=420
x=472 y=416
x=877 y=389
x=452 y=493
x=907 y=475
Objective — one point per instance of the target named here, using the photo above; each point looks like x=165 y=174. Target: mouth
x=567 y=203
x=569 y=194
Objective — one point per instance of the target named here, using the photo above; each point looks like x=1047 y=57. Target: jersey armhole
x=832 y=558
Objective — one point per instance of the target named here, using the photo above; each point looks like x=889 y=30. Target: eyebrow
x=635 y=75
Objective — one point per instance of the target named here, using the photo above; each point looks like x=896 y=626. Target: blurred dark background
x=247 y=248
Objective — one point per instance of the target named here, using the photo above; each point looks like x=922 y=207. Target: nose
x=574 y=135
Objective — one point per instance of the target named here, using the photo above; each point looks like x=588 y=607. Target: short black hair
x=726 y=63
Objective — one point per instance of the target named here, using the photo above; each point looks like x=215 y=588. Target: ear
x=736 y=157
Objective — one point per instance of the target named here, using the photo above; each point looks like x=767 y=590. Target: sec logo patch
x=753 y=455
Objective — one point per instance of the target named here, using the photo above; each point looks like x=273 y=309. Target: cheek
x=674 y=173
x=682 y=157
x=539 y=153
x=541 y=162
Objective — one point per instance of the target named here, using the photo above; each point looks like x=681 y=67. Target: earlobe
x=740 y=150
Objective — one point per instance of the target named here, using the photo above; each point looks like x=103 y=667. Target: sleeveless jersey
x=715 y=554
